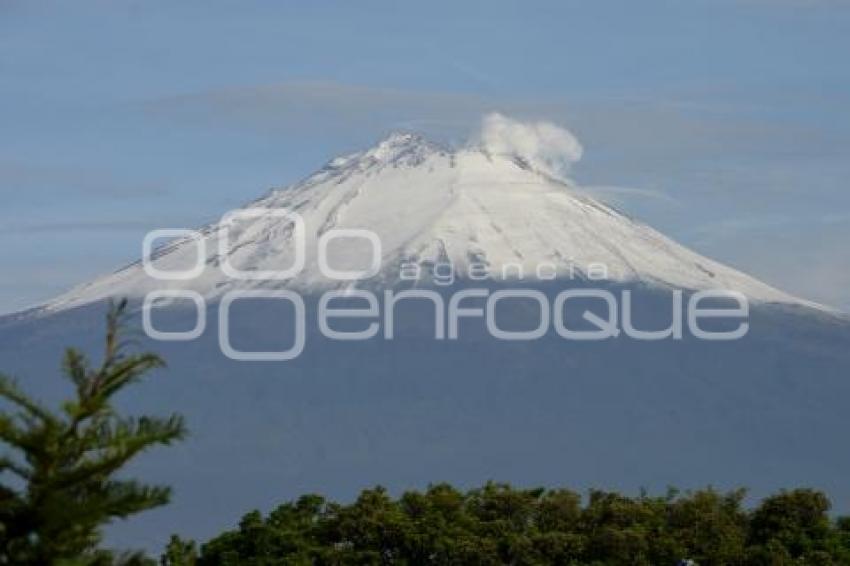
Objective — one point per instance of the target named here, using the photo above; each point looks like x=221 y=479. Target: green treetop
x=58 y=469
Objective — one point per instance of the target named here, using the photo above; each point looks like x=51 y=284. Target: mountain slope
x=473 y=209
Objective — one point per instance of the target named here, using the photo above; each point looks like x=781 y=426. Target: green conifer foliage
x=59 y=467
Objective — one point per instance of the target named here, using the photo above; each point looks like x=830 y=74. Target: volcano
x=765 y=411
x=471 y=209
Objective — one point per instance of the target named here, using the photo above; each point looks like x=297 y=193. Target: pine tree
x=58 y=472
x=179 y=552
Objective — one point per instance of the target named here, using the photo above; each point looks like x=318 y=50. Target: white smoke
x=544 y=146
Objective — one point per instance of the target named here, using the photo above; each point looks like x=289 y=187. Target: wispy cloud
x=742 y=226
x=616 y=193
x=26 y=180
x=322 y=106
x=129 y=225
x=734 y=228
x=547 y=147
x=672 y=126
x=804 y=254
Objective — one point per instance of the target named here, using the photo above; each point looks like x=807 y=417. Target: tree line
x=499 y=524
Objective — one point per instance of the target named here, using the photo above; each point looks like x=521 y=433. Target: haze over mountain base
x=763 y=412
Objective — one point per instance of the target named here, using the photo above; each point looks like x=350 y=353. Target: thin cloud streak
x=133 y=225
x=27 y=180
x=606 y=192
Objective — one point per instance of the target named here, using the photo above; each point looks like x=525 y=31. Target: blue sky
x=723 y=123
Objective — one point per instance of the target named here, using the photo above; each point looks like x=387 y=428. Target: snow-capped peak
x=473 y=209
x=399 y=144
x=398 y=148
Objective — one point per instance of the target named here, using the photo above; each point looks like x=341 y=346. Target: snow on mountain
x=487 y=208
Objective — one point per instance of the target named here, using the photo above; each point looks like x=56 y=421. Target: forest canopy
x=500 y=524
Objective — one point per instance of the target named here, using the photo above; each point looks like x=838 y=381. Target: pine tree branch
x=9 y=390
x=7 y=464
x=124 y=498
x=126 y=371
x=77 y=368
x=122 y=444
